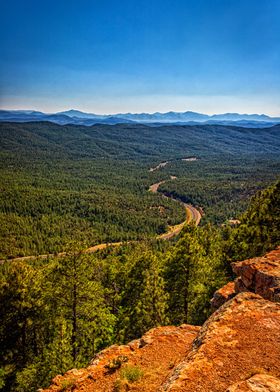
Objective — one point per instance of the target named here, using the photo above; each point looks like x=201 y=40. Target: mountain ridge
x=78 y=117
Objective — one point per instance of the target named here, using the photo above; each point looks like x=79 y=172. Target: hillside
x=140 y=196
x=236 y=350
x=58 y=312
x=64 y=183
x=137 y=141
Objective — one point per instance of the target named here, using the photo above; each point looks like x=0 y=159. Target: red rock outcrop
x=261 y=275
x=257 y=383
x=236 y=350
x=223 y=295
x=156 y=354
x=240 y=337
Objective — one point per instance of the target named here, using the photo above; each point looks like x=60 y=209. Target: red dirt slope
x=156 y=354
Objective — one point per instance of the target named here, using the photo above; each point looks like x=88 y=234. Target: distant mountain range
x=183 y=118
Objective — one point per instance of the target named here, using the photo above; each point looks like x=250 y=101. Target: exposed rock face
x=223 y=295
x=257 y=383
x=261 y=275
x=156 y=354
x=236 y=350
x=239 y=286
x=240 y=337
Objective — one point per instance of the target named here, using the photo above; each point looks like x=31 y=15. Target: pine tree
x=23 y=313
x=259 y=230
x=144 y=302
x=179 y=273
x=195 y=268
x=151 y=307
x=79 y=298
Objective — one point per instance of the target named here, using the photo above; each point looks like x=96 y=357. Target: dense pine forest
x=64 y=188
x=90 y=184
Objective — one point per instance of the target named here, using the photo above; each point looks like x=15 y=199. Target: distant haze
x=141 y=56
x=151 y=104
x=77 y=117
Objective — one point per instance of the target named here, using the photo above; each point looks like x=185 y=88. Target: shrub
x=131 y=373
x=67 y=385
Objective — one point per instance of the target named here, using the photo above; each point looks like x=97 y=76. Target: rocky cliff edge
x=236 y=350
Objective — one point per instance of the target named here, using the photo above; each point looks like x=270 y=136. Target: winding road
x=192 y=215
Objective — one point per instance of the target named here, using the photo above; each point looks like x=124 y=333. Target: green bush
x=2 y=378
x=132 y=373
x=67 y=385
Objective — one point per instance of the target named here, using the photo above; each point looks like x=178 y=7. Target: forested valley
x=65 y=188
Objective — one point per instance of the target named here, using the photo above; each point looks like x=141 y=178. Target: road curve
x=192 y=215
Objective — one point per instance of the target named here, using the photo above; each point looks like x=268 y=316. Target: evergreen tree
x=144 y=301
x=195 y=268
x=79 y=298
x=151 y=307
x=23 y=312
x=179 y=273
x=259 y=230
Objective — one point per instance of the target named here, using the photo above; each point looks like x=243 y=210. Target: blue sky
x=110 y=56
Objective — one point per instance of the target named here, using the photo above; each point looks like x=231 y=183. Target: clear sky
x=108 y=56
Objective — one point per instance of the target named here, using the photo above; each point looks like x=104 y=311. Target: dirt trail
x=192 y=215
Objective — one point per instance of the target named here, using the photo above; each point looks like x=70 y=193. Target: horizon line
x=146 y=112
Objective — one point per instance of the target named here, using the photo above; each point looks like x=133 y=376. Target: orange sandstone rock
x=156 y=354
x=257 y=383
x=244 y=334
x=223 y=295
x=261 y=275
